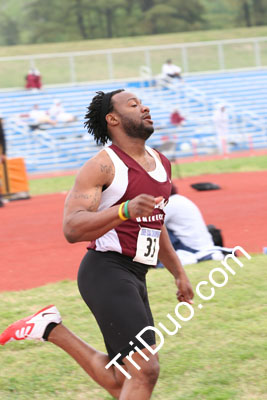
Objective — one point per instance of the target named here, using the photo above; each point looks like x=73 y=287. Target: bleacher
x=66 y=147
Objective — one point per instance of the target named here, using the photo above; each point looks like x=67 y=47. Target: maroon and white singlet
x=137 y=238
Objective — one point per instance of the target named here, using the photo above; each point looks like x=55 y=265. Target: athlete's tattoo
x=95 y=198
x=92 y=198
x=107 y=169
x=77 y=196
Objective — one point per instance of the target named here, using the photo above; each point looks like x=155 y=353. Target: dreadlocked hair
x=95 y=122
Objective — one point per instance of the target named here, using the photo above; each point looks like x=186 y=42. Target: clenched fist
x=143 y=205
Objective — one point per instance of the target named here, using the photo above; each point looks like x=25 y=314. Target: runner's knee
x=149 y=372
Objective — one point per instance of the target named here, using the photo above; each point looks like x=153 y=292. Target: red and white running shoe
x=32 y=327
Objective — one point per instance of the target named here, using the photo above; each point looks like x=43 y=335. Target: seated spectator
x=170 y=70
x=37 y=118
x=188 y=232
x=33 y=79
x=58 y=113
x=176 y=118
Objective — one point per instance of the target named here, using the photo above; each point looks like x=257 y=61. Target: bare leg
x=143 y=381
x=91 y=360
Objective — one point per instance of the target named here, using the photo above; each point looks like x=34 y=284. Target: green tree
x=74 y=19
x=158 y=17
x=40 y=21
x=79 y=11
x=251 y=12
x=9 y=24
x=190 y=11
x=146 y=4
x=9 y=30
x=174 y=15
x=108 y=9
x=247 y=12
x=260 y=12
x=48 y=21
x=243 y=12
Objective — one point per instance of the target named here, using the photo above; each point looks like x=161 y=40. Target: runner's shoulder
x=100 y=167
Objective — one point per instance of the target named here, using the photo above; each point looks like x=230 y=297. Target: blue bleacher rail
x=66 y=147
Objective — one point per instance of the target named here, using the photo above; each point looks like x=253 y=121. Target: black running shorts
x=114 y=288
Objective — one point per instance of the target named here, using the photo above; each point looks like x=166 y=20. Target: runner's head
x=131 y=117
x=118 y=113
x=95 y=118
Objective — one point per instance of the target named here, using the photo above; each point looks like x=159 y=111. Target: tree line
x=39 y=21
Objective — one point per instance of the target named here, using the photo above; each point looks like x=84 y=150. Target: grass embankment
x=217 y=355
x=257 y=163
x=149 y=40
x=126 y=65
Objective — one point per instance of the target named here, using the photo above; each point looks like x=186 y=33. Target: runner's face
x=134 y=116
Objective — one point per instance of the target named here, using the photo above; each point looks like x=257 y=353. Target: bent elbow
x=70 y=234
x=70 y=238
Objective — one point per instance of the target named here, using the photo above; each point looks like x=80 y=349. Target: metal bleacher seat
x=68 y=146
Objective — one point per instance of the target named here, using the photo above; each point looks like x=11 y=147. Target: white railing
x=152 y=58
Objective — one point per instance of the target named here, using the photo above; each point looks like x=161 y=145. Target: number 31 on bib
x=147 y=247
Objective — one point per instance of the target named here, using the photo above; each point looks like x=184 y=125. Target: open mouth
x=148 y=118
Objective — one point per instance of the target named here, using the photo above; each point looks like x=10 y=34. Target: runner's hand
x=185 y=291
x=143 y=205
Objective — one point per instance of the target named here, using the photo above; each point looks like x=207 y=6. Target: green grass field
x=126 y=65
x=242 y=164
x=220 y=354
x=257 y=163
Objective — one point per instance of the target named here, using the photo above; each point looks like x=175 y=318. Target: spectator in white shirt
x=58 y=113
x=171 y=70
x=188 y=232
x=37 y=117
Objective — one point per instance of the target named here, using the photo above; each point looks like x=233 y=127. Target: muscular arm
x=82 y=221
x=170 y=260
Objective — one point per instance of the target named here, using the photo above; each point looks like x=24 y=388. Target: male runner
x=116 y=204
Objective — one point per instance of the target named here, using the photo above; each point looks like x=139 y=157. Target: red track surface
x=34 y=252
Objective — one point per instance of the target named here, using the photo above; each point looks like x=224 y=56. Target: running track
x=34 y=252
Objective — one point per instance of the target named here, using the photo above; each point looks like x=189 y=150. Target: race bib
x=147 y=247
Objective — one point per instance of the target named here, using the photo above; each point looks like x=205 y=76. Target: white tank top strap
x=114 y=157
x=119 y=184
x=152 y=153
x=159 y=173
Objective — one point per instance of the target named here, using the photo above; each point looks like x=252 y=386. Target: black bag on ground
x=216 y=235
x=205 y=186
